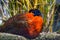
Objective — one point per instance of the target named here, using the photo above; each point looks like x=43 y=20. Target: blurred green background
x=49 y=8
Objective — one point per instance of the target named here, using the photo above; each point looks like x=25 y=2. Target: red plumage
x=26 y=25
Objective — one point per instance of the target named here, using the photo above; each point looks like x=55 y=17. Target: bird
x=28 y=25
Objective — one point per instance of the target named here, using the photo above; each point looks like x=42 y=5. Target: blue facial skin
x=36 y=12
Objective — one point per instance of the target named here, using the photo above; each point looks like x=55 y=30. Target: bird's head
x=36 y=12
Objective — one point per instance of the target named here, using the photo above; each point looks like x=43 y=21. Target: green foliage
x=17 y=6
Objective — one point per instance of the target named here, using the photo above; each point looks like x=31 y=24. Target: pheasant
x=28 y=24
